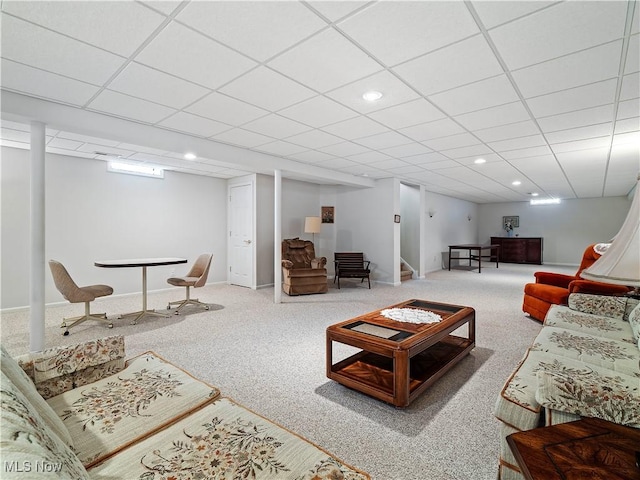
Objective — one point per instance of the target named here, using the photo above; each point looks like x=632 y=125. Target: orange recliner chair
x=554 y=288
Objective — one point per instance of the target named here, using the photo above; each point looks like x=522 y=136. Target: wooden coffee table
x=587 y=448
x=400 y=360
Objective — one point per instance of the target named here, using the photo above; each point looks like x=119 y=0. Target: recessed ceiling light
x=479 y=161
x=516 y=182
x=190 y=156
x=534 y=194
x=372 y=96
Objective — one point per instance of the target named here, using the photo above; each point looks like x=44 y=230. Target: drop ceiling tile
x=68 y=153
x=578 y=98
x=523 y=142
x=407 y=150
x=582 y=145
x=166 y=7
x=88 y=139
x=588 y=66
x=226 y=109
x=470 y=161
x=628 y=108
x=21 y=127
x=474 y=61
x=558 y=30
x=581 y=133
x=425 y=158
x=281 y=148
x=526 y=152
x=208 y=63
x=453 y=141
x=325 y=61
x=493 y=13
x=407 y=114
x=631 y=138
x=312 y=156
x=580 y=118
x=627 y=125
x=267 y=89
x=632 y=64
x=110 y=151
x=276 y=126
x=29 y=44
x=335 y=10
x=384 y=140
x=344 y=149
x=369 y=157
x=630 y=86
x=503 y=132
x=15 y=135
x=120 y=27
x=389 y=164
x=115 y=103
x=194 y=125
x=153 y=85
x=61 y=143
x=38 y=83
x=408 y=170
x=14 y=144
x=395 y=32
x=476 y=96
x=441 y=165
x=494 y=116
x=588 y=164
x=635 y=24
x=339 y=164
x=355 y=128
x=142 y=149
x=257 y=29
x=473 y=150
x=394 y=92
x=315 y=139
x=430 y=130
x=318 y=112
x=243 y=138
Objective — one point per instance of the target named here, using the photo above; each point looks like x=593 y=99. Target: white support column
x=277 y=236
x=36 y=294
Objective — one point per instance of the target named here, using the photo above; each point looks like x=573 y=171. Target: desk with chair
x=143 y=263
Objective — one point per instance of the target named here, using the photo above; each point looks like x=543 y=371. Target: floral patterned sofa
x=83 y=412
x=585 y=362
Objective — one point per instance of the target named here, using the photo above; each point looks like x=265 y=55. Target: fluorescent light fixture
x=136 y=169
x=479 y=161
x=190 y=156
x=544 y=201
x=372 y=96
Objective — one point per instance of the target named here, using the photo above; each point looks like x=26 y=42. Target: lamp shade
x=620 y=264
x=312 y=224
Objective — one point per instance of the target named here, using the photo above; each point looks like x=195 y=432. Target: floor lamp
x=312 y=225
x=620 y=264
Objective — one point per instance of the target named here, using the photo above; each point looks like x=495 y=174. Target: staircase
x=405 y=272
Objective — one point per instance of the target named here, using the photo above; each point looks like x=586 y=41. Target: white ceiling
x=548 y=93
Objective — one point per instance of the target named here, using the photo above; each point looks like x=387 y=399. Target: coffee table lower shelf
x=374 y=374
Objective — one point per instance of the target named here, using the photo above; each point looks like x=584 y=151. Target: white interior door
x=241 y=239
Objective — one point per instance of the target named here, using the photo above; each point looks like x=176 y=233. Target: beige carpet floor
x=271 y=358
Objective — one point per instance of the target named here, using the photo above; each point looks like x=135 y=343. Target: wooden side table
x=585 y=449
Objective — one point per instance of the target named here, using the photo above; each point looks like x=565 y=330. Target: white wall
x=449 y=225
x=567 y=229
x=92 y=214
x=364 y=223
x=410 y=225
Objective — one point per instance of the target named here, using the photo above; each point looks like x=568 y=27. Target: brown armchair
x=554 y=288
x=302 y=272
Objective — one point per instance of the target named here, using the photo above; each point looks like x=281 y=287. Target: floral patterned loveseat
x=585 y=362
x=83 y=412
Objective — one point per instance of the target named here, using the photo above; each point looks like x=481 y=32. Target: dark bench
x=351 y=265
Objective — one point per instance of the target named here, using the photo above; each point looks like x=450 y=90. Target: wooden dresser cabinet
x=519 y=249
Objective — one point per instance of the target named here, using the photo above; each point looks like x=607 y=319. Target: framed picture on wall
x=327 y=214
x=513 y=220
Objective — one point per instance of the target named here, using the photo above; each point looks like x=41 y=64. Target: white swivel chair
x=74 y=294
x=196 y=277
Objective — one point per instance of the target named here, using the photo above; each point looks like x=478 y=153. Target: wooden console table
x=519 y=249
x=587 y=448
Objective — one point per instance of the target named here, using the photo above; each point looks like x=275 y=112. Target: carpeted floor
x=271 y=358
